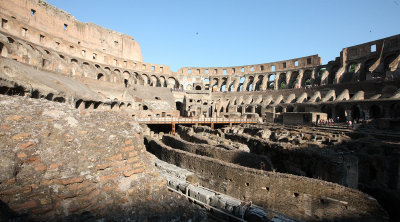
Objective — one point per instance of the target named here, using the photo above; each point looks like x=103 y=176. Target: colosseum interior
x=91 y=132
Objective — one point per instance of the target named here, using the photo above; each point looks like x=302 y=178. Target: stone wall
x=57 y=162
x=45 y=24
x=231 y=156
x=299 y=197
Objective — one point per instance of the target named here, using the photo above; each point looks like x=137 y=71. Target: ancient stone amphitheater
x=90 y=132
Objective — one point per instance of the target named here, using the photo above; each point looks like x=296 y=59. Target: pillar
x=300 y=78
x=276 y=80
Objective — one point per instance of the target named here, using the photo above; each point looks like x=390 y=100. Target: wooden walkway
x=194 y=121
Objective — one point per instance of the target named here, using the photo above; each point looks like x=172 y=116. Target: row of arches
x=57 y=62
x=260 y=82
x=385 y=68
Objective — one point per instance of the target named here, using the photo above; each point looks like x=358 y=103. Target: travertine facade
x=47 y=54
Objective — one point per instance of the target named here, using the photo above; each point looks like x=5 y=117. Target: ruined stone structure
x=88 y=154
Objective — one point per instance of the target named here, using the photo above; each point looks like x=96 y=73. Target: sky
x=219 y=33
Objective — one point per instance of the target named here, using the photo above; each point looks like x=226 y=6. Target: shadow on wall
x=146 y=211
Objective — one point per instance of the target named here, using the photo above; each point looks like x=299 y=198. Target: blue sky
x=211 y=33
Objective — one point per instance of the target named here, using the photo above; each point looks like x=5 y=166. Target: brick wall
x=57 y=162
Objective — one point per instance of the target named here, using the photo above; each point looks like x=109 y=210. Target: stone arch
x=127 y=77
x=250 y=85
x=332 y=74
x=100 y=76
x=306 y=81
x=154 y=81
x=232 y=85
x=223 y=84
x=214 y=84
x=74 y=61
x=282 y=81
x=259 y=81
x=241 y=82
x=394 y=110
x=357 y=113
x=367 y=65
x=271 y=81
x=375 y=111
x=79 y=104
x=340 y=112
x=10 y=40
x=163 y=82
x=206 y=83
x=198 y=87
x=326 y=109
x=173 y=83
x=146 y=79
x=293 y=81
x=386 y=63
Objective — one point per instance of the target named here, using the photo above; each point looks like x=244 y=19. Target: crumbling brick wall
x=56 y=162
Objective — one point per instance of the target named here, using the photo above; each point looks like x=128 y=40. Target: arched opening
x=271 y=81
x=242 y=79
x=223 y=85
x=145 y=107
x=282 y=81
x=332 y=74
x=10 y=40
x=214 y=85
x=146 y=80
x=78 y=104
x=394 y=110
x=367 y=74
x=327 y=110
x=258 y=84
x=249 y=86
x=356 y=113
x=290 y=109
x=49 y=96
x=126 y=83
x=231 y=88
x=198 y=87
x=306 y=80
x=100 y=76
x=319 y=75
x=375 y=112
x=172 y=83
x=163 y=83
x=206 y=83
x=293 y=81
x=35 y=94
x=388 y=60
x=59 y=99
x=340 y=113
x=278 y=109
x=97 y=104
x=154 y=81
x=88 y=104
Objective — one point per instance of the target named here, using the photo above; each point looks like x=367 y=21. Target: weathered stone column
x=300 y=78
x=264 y=84
x=288 y=75
x=276 y=80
